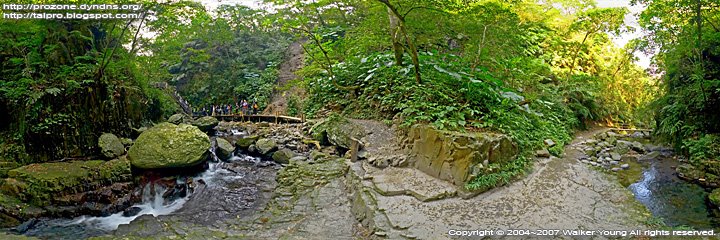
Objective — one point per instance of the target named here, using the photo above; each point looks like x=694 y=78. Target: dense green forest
x=533 y=70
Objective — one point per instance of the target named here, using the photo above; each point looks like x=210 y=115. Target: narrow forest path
x=561 y=193
x=294 y=60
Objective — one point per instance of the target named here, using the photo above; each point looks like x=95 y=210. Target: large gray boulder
x=111 y=146
x=206 y=123
x=283 y=156
x=265 y=146
x=223 y=148
x=337 y=131
x=168 y=145
x=178 y=118
x=246 y=142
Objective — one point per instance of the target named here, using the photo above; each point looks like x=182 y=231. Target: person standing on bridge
x=245 y=106
x=229 y=109
x=255 y=107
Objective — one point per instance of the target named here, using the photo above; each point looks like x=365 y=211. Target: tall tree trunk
x=698 y=46
x=395 y=37
x=413 y=54
x=408 y=40
x=698 y=18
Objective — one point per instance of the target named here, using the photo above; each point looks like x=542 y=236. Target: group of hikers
x=226 y=109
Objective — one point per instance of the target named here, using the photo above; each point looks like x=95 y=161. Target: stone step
x=394 y=181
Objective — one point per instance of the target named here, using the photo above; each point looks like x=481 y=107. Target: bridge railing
x=276 y=118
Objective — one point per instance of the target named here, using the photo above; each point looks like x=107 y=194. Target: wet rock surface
x=307 y=200
x=240 y=188
x=616 y=151
x=65 y=190
x=223 y=148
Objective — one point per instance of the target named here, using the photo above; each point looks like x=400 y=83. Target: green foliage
x=501 y=175
x=686 y=39
x=704 y=148
x=294 y=105
x=220 y=59
x=65 y=82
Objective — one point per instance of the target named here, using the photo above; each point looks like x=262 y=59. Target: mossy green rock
x=111 y=146
x=169 y=146
x=265 y=146
x=224 y=149
x=689 y=172
x=244 y=143
x=715 y=197
x=283 y=156
x=337 y=131
x=176 y=118
x=206 y=123
x=39 y=183
x=7 y=166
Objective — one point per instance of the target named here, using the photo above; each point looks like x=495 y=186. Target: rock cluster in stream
x=280 y=143
x=614 y=151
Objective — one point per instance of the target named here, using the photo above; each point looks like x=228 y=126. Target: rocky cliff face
x=457 y=157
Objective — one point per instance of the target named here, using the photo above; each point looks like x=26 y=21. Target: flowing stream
x=153 y=203
x=677 y=202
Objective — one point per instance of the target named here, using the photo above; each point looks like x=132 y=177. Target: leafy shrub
x=706 y=147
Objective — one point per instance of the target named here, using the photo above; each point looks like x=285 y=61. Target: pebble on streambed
x=616 y=152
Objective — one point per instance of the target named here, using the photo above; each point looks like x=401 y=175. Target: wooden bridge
x=257 y=118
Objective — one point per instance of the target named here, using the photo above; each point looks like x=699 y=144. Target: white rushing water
x=152 y=203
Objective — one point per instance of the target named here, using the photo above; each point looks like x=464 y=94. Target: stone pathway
x=561 y=193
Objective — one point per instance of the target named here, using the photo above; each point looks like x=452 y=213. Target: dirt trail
x=294 y=60
x=561 y=193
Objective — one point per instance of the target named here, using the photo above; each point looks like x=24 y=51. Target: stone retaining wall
x=454 y=156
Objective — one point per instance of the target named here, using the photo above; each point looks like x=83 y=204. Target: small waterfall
x=152 y=203
x=156 y=200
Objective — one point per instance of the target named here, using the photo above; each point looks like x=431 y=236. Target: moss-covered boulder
x=283 y=156
x=206 y=123
x=41 y=183
x=223 y=148
x=265 y=146
x=169 y=146
x=179 y=118
x=126 y=142
x=689 y=172
x=715 y=197
x=7 y=166
x=337 y=131
x=111 y=146
x=244 y=143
